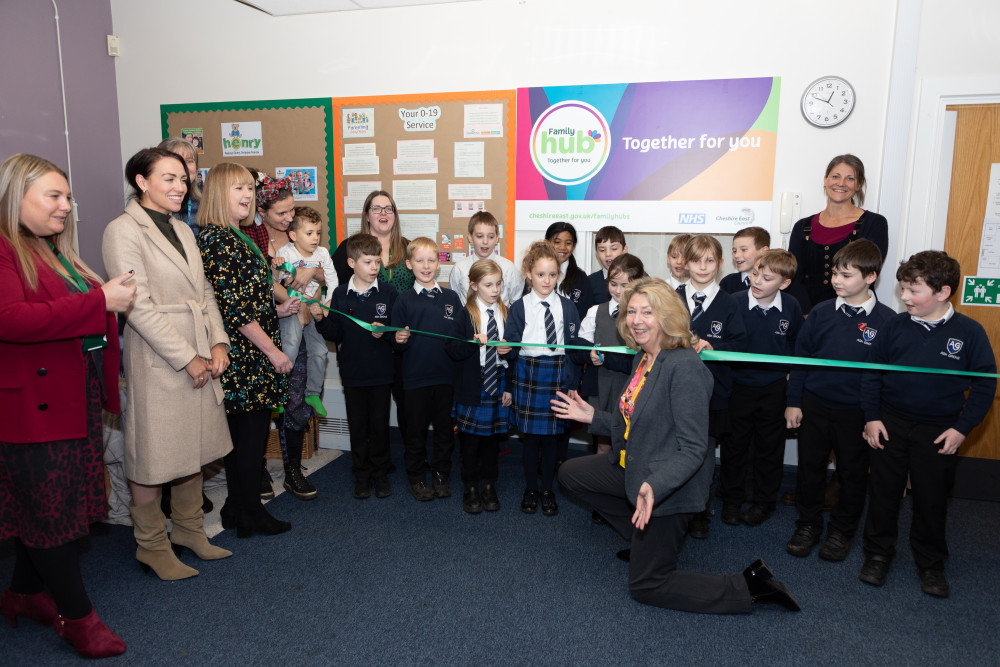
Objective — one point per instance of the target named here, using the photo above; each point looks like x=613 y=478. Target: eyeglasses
x=381 y=209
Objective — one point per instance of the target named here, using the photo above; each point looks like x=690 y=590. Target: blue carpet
x=399 y=582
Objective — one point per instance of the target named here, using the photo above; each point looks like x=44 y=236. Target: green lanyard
x=93 y=342
x=256 y=250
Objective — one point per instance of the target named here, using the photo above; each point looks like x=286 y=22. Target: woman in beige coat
x=175 y=352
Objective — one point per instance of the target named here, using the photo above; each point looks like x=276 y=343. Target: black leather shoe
x=836 y=547
x=421 y=491
x=259 y=520
x=624 y=555
x=699 y=526
x=756 y=515
x=549 y=506
x=266 y=490
x=529 y=502
x=440 y=484
x=933 y=583
x=491 y=503
x=382 y=487
x=803 y=540
x=470 y=501
x=731 y=514
x=362 y=489
x=874 y=570
x=764 y=589
x=596 y=517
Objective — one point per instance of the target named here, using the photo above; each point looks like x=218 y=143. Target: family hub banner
x=670 y=157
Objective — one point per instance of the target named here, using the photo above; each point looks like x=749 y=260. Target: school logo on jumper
x=570 y=142
x=448 y=310
x=869 y=335
x=716 y=328
x=783 y=326
x=380 y=309
x=576 y=295
x=572 y=328
x=954 y=345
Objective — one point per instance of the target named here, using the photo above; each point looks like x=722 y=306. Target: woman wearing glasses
x=380 y=220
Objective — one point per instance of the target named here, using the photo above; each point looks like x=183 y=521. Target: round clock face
x=828 y=101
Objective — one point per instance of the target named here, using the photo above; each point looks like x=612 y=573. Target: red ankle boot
x=89 y=636
x=38 y=607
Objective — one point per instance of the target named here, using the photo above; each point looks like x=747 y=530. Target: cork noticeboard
x=442 y=156
x=294 y=133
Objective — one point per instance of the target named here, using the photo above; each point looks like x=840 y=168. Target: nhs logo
x=691 y=218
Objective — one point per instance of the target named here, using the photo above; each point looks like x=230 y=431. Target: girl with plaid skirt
x=482 y=400
x=547 y=320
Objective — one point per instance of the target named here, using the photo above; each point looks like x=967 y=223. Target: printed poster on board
x=673 y=157
x=242 y=138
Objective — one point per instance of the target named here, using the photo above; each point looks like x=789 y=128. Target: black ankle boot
x=295 y=481
x=764 y=589
x=259 y=520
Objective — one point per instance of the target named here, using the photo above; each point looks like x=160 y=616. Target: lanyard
x=256 y=251
x=90 y=342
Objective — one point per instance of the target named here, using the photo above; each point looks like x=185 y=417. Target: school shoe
x=549 y=506
x=89 y=636
x=874 y=570
x=625 y=555
x=266 y=488
x=529 y=501
x=362 y=489
x=756 y=515
x=764 y=589
x=471 y=502
x=491 y=503
x=803 y=540
x=39 y=607
x=596 y=517
x=836 y=547
x=731 y=514
x=699 y=526
x=421 y=491
x=382 y=487
x=439 y=481
x=933 y=582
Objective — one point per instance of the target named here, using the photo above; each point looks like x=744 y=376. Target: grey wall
x=31 y=111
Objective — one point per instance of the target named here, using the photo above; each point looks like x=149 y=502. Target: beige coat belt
x=202 y=347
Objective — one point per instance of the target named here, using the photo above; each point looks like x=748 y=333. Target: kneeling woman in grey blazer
x=659 y=469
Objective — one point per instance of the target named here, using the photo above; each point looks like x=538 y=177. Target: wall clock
x=828 y=101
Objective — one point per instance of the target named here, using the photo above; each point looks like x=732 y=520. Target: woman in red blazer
x=59 y=361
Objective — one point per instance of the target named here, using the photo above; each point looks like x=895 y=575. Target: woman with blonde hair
x=59 y=354
x=659 y=468
x=255 y=381
x=176 y=350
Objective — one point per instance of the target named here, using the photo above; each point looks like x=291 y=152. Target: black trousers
x=368 y=423
x=824 y=430
x=480 y=457
x=598 y=484
x=249 y=432
x=757 y=416
x=531 y=445
x=423 y=406
x=910 y=452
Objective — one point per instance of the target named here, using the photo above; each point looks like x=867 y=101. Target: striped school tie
x=614 y=315
x=698 y=299
x=851 y=311
x=550 y=326
x=490 y=384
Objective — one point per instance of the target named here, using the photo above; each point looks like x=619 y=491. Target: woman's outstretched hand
x=571 y=406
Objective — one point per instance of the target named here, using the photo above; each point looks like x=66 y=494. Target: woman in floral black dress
x=255 y=381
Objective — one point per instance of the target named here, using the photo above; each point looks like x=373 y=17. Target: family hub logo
x=569 y=142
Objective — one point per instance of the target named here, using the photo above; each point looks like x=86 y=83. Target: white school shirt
x=753 y=303
x=674 y=282
x=589 y=324
x=352 y=288
x=319 y=258
x=868 y=305
x=709 y=293
x=484 y=319
x=513 y=283
x=534 y=324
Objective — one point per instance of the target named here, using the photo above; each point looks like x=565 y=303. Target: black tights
x=249 y=431
x=534 y=443
x=57 y=569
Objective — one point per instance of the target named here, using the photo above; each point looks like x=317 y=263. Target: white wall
x=185 y=51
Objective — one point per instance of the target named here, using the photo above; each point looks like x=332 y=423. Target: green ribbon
x=706 y=355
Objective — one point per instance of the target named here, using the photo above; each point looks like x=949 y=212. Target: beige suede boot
x=188 y=518
x=153 y=546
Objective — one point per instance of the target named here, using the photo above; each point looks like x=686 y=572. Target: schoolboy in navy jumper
x=915 y=422
x=757 y=403
x=719 y=326
x=482 y=394
x=609 y=243
x=428 y=371
x=542 y=316
x=365 y=362
x=825 y=408
x=748 y=244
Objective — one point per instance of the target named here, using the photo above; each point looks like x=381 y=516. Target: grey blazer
x=668 y=441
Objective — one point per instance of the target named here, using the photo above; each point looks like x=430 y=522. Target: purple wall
x=31 y=112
